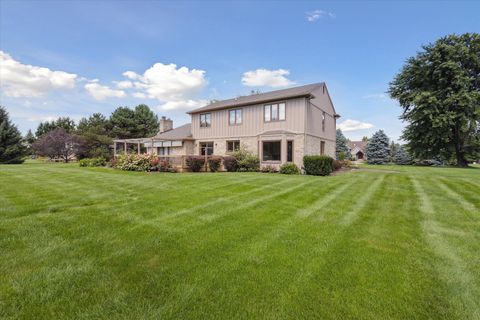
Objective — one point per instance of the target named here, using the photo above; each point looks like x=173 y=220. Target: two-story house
x=279 y=126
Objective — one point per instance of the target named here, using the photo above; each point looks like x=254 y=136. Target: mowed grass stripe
x=260 y=251
x=451 y=267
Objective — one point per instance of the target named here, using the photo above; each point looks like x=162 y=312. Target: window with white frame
x=274 y=112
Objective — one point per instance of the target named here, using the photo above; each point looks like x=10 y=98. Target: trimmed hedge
x=214 y=163
x=289 y=168
x=195 y=163
x=92 y=162
x=318 y=165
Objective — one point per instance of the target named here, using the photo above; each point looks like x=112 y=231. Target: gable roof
x=180 y=133
x=357 y=145
x=301 y=91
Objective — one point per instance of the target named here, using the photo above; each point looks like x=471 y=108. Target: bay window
x=272 y=150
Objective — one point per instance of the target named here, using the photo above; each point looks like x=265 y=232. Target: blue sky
x=73 y=58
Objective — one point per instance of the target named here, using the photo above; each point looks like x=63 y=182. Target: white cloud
x=175 y=88
x=314 y=15
x=123 y=84
x=23 y=80
x=183 y=105
x=353 y=125
x=267 y=78
x=100 y=92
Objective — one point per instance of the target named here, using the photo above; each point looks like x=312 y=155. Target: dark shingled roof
x=294 y=92
x=180 y=133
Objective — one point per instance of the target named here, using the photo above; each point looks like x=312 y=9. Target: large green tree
x=138 y=123
x=94 y=131
x=342 y=151
x=12 y=149
x=65 y=123
x=439 y=91
x=146 y=121
x=378 y=150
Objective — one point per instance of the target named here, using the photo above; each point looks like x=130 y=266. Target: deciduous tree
x=439 y=91
x=58 y=144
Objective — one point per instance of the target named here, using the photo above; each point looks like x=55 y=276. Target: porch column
x=138 y=147
x=125 y=147
x=114 y=149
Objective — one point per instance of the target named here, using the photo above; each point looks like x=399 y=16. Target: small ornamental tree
x=402 y=156
x=12 y=150
x=58 y=144
x=378 y=150
x=342 y=151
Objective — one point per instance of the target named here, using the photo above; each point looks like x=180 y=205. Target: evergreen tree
x=378 y=150
x=393 y=150
x=12 y=149
x=146 y=122
x=28 y=140
x=122 y=121
x=439 y=91
x=402 y=156
x=342 y=151
x=62 y=122
x=95 y=135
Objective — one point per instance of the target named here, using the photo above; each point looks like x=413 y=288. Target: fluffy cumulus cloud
x=353 y=125
x=101 y=92
x=267 y=78
x=314 y=15
x=174 y=87
x=23 y=80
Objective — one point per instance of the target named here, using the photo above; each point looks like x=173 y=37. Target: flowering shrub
x=246 y=161
x=214 y=163
x=268 y=169
x=195 y=163
x=135 y=162
x=230 y=163
x=289 y=168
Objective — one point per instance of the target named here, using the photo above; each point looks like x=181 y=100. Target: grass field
x=386 y=243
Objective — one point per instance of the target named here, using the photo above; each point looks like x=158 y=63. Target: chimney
x=165 y=124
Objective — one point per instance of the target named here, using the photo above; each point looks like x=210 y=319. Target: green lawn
x=388 y=243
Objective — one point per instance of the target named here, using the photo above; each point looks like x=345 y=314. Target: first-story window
x=272 y=150
x=233 y=145
x=206 y=148
x=322 y=147
x=289 y=151
x=235 y=116
x=163 y=151
x=205 y=120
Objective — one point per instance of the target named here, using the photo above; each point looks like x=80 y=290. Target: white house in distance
x=279 y=126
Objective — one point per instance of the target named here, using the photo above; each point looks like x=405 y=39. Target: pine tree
x=28 y=140
x=342 y=151
x=378 y=150
x=402 y=156
x=12 y=149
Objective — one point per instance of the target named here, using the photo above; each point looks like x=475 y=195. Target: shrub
x=135 y=162
x=318 y=165
x=246 y=161
x=92 y=162
x=230 y=163
x=268 y=169
x=214 y=163
x=195 y=163
x=403 y=157
x=337 y=165
x=289 y=168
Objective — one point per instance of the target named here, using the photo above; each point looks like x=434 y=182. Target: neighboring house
x=279 y=126
x=357 y=149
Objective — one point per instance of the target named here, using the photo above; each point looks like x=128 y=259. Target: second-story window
x=235 y=116
x=323 y=121
x=274 y=112
x=205 y=120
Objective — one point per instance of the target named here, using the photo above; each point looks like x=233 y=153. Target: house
x=357 y=149
x=279 y=126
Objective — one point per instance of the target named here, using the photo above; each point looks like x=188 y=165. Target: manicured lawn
x=389 y=243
